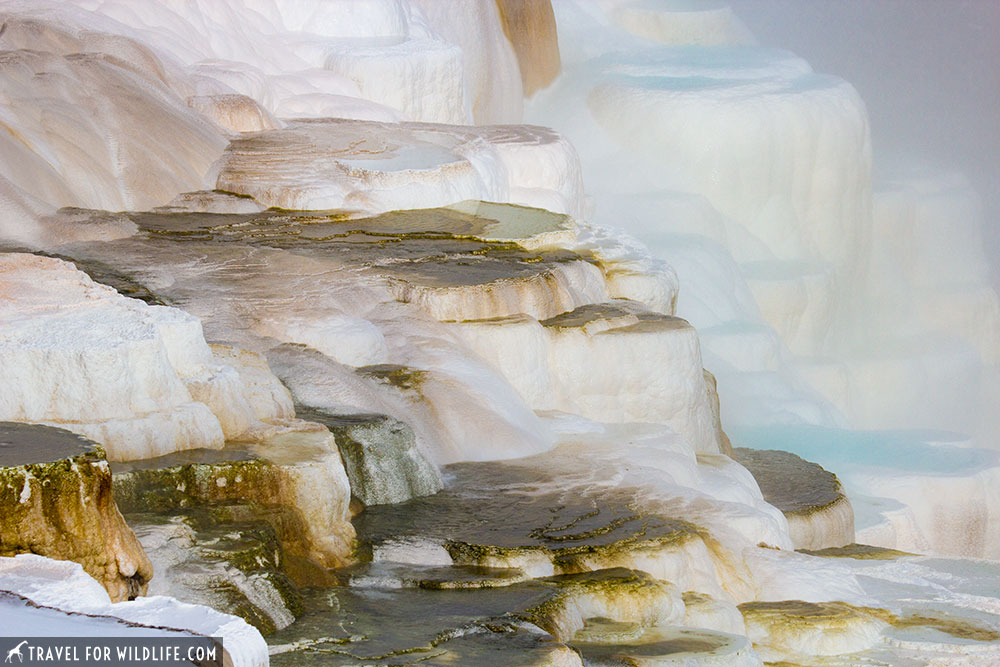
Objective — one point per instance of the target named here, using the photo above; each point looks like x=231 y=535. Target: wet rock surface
x=440 y=247
x=139 y=379
x=227 y=528
x=677 y=646
x=348 y=626
x=789 y=482
x=380 y=456
x=229 y=556
x=818 y=511
x=29 y=444
x=493 y=569
x=99 y=272
x=788 y=628
x=492 y=513
x=255 y=477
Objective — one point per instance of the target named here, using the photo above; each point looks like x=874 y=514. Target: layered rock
x=234 y=113
x=111 y=108
x=139 y=379
x=650 y=366
x=335 y=283
x=819 y=514
x=937 y=499
x=788 y=629
x=381 y=458
x=209 y=78
x=377 y=167
x=547 y=535
x=454 y=321
x=228 y=556
x=704 y=23
x=361 y=58
x=683 y=115
x=623 y=595
x=930 y=297
x=56 y=500
x=297 y=469
x=489 y=62
x=355 y=623
x=673 y=646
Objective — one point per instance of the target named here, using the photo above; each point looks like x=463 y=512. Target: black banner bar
x=117 y=651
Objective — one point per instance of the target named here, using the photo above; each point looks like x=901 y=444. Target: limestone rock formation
x=56 y=501
x=381 y=458
x=297 y=469
x=374 y=167
x=139 y=379
x=607 y=362
x=819 y=514
x=234 y=113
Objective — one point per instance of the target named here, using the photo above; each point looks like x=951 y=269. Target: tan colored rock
x=530 y=25
x=55 y=501
x=725 y=446
x=235 y=113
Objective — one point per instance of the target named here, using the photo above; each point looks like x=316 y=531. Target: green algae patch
x=621 y=595
x=608 y=631
x=453 y=577
x=619 y=316
x=442 y=247
x=680 y=644
x=486 y=554
x=673 y=533
x=812 y=499
x=63 y=508
x=190 y=479
x=948 y=624
x=588 y=550
x=235 y=602
x=470 y=219
x=403 y=378
x=792 y=611
x=495 y=515
x=252 y=548
x=527 y=226
x=696 y=598
x=790 y=629
x=243 y=539
x=858 y=552
x=782 y=625
x=231 y=482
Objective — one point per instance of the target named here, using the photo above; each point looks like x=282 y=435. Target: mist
x=927 y=71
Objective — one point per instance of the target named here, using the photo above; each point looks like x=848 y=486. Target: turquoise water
x=904 y=451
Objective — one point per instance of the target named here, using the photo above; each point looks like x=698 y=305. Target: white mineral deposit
x=497 y=332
